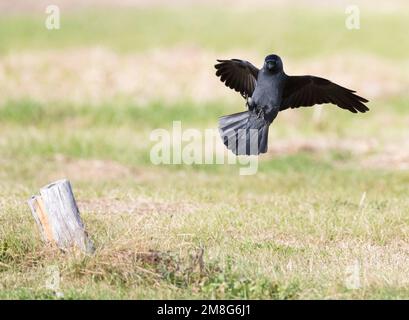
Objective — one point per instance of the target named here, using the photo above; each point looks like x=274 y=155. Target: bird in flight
x=267 y=92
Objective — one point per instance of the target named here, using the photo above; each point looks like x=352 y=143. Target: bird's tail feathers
x=244 y=133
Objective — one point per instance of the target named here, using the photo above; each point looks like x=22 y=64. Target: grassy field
x=330 y=196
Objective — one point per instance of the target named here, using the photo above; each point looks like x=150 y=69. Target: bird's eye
x=271 y=64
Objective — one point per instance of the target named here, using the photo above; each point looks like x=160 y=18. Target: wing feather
x=239 y=75
x=306 y=91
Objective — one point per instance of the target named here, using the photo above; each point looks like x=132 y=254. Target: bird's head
x=273 y=63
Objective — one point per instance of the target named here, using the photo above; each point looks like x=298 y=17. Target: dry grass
x=264 y=243
x=97 y=75
x=327 y=198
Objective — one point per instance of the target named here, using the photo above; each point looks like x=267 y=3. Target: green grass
x=121 y=131
x=250 y=228
x=294 y=32
x=113 y=114
x=298 y=210
x=291 y=231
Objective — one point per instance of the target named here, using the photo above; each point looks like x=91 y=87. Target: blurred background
x=80 y=102
x=122 y=57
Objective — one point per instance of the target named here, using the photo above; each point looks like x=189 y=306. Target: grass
x=316 y=206
x=133 y=30
x=288 y=232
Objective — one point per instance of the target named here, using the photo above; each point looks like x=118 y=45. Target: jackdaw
x=267 y=92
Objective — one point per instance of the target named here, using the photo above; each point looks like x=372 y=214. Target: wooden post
x=58 y=218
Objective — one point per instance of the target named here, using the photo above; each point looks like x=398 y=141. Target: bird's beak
x=270 y=64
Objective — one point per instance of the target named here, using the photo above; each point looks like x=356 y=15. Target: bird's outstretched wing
x=306 y=91
x=239 y=75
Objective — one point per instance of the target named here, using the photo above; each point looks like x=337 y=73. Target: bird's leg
x=260 y=112
x=250 y=104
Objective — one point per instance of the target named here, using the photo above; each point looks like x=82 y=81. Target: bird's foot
x=249 y=103
x=260 y=113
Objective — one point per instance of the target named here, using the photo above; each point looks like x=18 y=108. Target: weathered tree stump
x=58 y=218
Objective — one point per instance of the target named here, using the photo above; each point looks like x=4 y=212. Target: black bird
x=267 y=92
